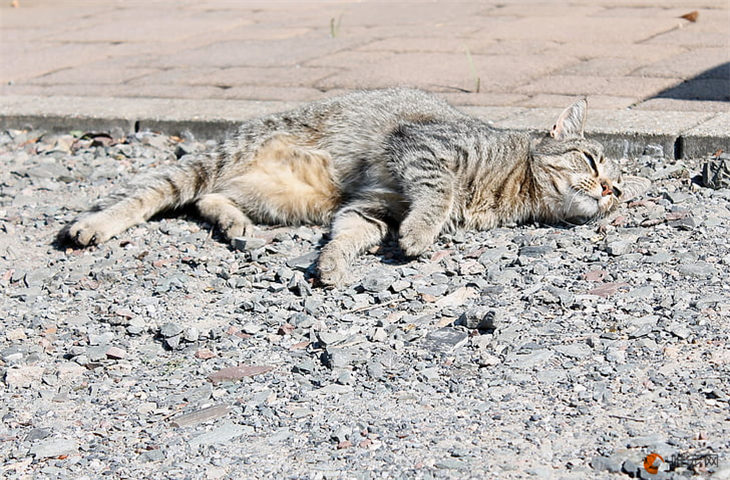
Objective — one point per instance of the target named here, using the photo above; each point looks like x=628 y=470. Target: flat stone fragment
x=302 y=262
x=116 y=353
x=231 y=374
x=247 y=243
x=202 y=415
x=716 y=172
x=377 y=281
x=54 y=447
x=699 y=270
x=445 y=339
x=575 y=350
x=619 y=247
x=68 y=371
x=606 y=464
x=531 y=359
x=607 y=289
x=24 y=376
x=170 y=329
x=222 y=434
x=535 y=250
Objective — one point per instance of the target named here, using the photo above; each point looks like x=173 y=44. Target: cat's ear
x=570 y=123
x=631 y=187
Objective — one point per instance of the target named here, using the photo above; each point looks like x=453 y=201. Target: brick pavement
x=531 y=57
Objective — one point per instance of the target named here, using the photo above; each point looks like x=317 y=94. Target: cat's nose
x=606 y=189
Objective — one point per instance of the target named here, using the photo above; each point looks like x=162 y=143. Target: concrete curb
x=624 y=133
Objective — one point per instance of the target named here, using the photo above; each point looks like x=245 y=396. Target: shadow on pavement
x=713 y=84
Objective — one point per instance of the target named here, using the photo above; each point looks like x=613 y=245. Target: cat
x=370 y=161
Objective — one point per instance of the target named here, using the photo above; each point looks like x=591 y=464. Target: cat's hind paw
x=91 y=229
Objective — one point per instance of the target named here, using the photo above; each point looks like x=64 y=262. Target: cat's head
x=574 y=172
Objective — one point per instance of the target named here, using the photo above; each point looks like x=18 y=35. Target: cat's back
x=373 y=114
x=386 y=106
x=358 y=124
x=353 y=123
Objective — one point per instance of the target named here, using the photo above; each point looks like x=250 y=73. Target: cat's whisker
x=572 y=199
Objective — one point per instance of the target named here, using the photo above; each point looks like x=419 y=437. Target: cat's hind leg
x=355 y=228
x=100 y=225
x=167 y=188
x=219 y=209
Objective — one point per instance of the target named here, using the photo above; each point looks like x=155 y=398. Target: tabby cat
x=370 y=160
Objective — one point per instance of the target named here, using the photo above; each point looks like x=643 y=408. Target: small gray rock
x=54 y=447
x=481 y=318
x=574 y=350
x=618 y=247
x=677 y=197
x=306 y=366
x=191 y=334
x=377 y=281
x=606 y=464
x=223 y=434
x=246 y=244
x=535 y=250
x=155 y=455
x=630 y=467
x=37 y=434
x=303 y=262
x=338 y=358
x=170 y=330
x=445 y=340
x=698 y=270
x=97 y=354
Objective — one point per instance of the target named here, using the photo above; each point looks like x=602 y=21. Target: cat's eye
x=591 y=161
x=617 y=191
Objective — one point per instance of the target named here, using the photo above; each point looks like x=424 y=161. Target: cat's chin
x=586 y=209
x=581 y=206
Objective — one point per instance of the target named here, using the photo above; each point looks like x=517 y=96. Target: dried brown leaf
x=691 y=16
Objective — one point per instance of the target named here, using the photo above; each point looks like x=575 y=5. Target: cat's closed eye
x=591 y=162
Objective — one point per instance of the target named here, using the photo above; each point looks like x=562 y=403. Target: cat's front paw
x=91 y=229
x=232 y=230
x=415 y=238
x=332 y=267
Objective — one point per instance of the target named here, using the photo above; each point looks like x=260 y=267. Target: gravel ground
x=534 y=351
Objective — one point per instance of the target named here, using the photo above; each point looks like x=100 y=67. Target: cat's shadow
x=388 y=251
x=63 y=241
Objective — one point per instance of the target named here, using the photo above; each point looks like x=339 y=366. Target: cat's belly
x=287 y=183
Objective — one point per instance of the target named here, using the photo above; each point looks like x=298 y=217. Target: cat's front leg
x=430 y=209
x=354 y=229
x=428 y=186
x=419 y=230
